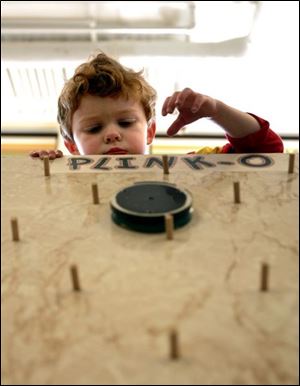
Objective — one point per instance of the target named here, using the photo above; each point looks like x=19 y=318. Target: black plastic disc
x=142 y=207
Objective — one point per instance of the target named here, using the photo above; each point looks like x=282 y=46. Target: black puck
x=142 y=206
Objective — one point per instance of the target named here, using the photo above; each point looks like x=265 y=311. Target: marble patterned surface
x=136 y=288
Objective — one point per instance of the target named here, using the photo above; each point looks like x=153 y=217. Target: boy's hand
x=191 y=106
x=52 y=154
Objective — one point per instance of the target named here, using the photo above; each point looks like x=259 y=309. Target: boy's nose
x=112 y=137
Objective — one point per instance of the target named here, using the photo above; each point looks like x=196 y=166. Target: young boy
x=106 y=108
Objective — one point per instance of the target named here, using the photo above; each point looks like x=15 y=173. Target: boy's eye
x=94 y=129
x=126 y=123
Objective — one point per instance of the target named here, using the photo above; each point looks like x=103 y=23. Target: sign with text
x=148 y=163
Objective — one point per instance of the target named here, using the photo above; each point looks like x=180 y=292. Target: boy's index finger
x=176 y=126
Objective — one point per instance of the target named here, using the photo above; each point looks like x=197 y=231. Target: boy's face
x=106 y=125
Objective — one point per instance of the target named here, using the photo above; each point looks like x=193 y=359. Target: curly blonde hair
x=102 y=76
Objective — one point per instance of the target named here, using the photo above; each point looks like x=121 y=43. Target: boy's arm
x=236 y=123
x=264 y=140
x=193 y=106
x=52 y=154
x=246 y=132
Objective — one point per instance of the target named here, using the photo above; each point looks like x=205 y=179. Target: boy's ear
x=71 y=146
x=151 y=132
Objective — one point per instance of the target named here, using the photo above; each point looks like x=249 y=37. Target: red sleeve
x=262 y=141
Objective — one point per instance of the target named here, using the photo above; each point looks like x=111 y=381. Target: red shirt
x=262 y=141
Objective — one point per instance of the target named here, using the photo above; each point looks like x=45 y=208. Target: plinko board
x=87 y=301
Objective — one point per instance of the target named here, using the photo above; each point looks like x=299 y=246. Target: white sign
x=193 y=163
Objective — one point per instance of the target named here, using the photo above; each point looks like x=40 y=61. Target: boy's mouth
x=116 y=150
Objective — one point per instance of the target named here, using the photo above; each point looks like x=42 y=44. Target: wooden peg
x=46 y=166
x=165 y=164
x=291 y=163
x=75 y=277
x=95 y=194
x=174 y=350
x=15 y=229
x=169 y=226
x=236 y=189
x=264 y=277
